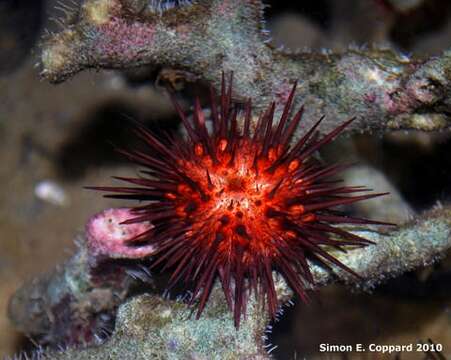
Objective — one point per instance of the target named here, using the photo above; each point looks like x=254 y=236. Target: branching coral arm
x=383 y=89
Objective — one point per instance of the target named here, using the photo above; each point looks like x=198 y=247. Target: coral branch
x=76 y=304
x=415 y=244
x=383 y=89
x=149 y=327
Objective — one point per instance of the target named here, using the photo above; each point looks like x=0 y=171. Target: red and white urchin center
x=239 y=196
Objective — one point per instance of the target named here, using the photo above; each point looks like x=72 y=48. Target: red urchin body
x=238 y=202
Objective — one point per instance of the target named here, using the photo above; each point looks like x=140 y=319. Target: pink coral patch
x=106 y=236
x=124 y=39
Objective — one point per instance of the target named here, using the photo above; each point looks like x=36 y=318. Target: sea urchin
x=236 y=202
